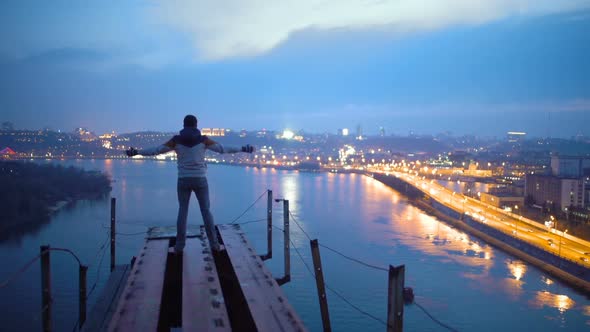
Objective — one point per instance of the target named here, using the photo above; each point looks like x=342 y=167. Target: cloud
x=236 y=28
x=528 y=108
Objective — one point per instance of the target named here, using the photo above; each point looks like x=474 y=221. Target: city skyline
x=483 y=69
x=352 y=132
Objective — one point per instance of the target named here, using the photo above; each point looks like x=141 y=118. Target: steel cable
x=249 y=207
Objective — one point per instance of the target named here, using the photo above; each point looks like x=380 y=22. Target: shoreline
x=319 y=169
x=37 y=191
x=570 y=279
x=51 y=211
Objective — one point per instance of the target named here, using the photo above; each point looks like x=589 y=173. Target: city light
x=288 y=134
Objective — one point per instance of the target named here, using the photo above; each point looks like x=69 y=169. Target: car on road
x=584 y=259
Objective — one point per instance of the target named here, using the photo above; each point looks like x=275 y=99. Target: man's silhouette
x=190 y=147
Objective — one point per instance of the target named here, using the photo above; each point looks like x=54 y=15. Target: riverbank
x=576 y=276
x=31 y=193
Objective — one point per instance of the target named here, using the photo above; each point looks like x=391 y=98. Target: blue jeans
x=185 y=187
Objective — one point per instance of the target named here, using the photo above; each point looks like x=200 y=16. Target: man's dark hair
x=190 y=121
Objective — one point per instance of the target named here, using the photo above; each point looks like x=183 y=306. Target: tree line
x=29 y=191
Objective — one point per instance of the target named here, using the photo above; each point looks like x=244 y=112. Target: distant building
x=553 y=191
x=261 y=133
x=515 y=136
x=503 y=199
x=381 y=131
x=85 y=135
x=7 y=153
x=459 y=158
x=213 y=131
x=473 y=170
x=570 y=166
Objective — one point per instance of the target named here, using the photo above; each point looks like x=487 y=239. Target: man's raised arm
x=217 y=147
x=166 y=147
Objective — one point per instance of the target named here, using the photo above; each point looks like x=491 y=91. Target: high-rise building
x=570 y=166
x=559 y=192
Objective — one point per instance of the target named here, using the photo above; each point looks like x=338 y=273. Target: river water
x=457 y=278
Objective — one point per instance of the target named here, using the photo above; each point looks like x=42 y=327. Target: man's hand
x=131 y=152
x=248 y=148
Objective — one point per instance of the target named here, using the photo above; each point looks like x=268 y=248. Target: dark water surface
x=462 y=281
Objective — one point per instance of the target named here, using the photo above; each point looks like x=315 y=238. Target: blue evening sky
x=470 y=67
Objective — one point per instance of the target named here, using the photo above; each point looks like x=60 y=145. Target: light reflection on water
x=461 y=280
x=561 y=302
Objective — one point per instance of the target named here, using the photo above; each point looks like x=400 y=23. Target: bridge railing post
x=287 y=240
x=321 y=287
x=287 y=247
x=268 y=226
x=395 y=299
x=113 y=233
x=46 y=288
x=83 y=297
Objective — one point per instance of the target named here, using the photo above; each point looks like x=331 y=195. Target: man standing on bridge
x=190 y=147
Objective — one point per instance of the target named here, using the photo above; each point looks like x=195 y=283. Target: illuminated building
x=213 y=131
x=502 y=199
x=84 y=134
x=515 y=136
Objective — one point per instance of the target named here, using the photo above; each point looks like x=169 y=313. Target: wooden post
x=268 y=226
x=113 y=207
x=395 y=299
x=46 y=288
x=287 y=240
x=82 y=300
x=319 y=281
